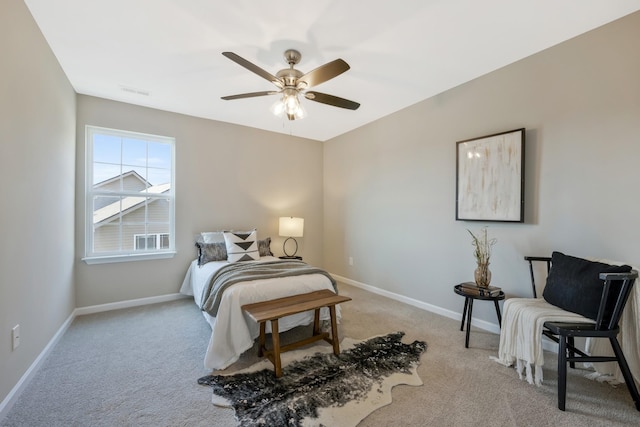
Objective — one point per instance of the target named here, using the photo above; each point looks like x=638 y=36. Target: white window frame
x=92 y=257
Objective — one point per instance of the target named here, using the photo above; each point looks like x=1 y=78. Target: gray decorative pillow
x=241 y=245
x=264 y=247
x=208 y=252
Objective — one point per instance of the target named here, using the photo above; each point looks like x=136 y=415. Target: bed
x=232 y=331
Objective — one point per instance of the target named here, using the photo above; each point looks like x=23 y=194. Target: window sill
x=127 y=258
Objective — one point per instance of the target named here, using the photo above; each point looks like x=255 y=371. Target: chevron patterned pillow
x=241 y=245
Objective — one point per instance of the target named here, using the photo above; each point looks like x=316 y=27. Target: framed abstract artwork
x=490 y=177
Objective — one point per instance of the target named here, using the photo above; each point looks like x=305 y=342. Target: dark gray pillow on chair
x=573 y=284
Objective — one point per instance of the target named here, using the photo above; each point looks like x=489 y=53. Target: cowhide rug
x=318 y=388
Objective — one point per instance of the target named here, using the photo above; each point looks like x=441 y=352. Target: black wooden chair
x=617 y=288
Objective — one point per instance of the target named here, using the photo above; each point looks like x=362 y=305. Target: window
x=130 y=195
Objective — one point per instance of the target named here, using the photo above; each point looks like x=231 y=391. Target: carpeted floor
x=139 y=367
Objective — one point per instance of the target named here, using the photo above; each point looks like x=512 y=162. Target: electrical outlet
x=15 y=336
x=350 y=260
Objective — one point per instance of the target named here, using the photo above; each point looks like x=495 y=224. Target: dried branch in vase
x=482 y=245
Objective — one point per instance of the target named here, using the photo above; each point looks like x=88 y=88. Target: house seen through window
x=130 y=194
x=151 y=241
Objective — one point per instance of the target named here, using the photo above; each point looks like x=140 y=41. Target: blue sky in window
x=114 y=155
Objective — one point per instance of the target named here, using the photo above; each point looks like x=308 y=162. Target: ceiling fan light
x=277 y=108
x=300 y=112
x=289 y=105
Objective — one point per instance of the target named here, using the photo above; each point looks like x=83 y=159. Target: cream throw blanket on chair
x=521 y=336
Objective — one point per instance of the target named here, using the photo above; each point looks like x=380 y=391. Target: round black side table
x=469 y=296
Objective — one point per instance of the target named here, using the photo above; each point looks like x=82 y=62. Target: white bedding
x=232 y=331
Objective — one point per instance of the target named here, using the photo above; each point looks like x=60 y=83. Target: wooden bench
x=273 y=310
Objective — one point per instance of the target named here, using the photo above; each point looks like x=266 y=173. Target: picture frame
x=490 y=177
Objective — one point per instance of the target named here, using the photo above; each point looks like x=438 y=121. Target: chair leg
x=572 y=354
x=626 y=373
x=562 y=372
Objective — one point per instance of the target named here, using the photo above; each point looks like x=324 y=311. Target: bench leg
x=316 y=322
x=334 y=330
x=275 y=337
x=262 y=339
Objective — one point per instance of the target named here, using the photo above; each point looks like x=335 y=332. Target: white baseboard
x=8 y=401
x=482 y=324
x=547 y=344
x=126 y=304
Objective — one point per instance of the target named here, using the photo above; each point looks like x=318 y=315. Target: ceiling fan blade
x=332 y=100
x=249 y=95
x=323 y=73
x=254 y=68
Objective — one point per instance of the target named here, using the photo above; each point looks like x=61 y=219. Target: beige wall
x=389 y=191
x=227 y=177
x=37 y=164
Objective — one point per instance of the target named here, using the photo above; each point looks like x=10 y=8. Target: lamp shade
x=291 y=227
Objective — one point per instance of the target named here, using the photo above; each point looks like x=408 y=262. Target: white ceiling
x=166 y=54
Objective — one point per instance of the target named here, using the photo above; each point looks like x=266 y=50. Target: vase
x=482 y=275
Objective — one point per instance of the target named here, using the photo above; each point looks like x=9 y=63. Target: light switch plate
x=15 y=336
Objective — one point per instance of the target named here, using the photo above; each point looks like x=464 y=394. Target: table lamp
x=291 y=227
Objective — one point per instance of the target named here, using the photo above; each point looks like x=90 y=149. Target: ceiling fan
x=291 y=83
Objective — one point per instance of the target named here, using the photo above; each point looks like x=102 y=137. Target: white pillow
x=241 y=245
x=212 y=236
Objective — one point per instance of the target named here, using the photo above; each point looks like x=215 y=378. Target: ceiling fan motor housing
x=289 y=76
